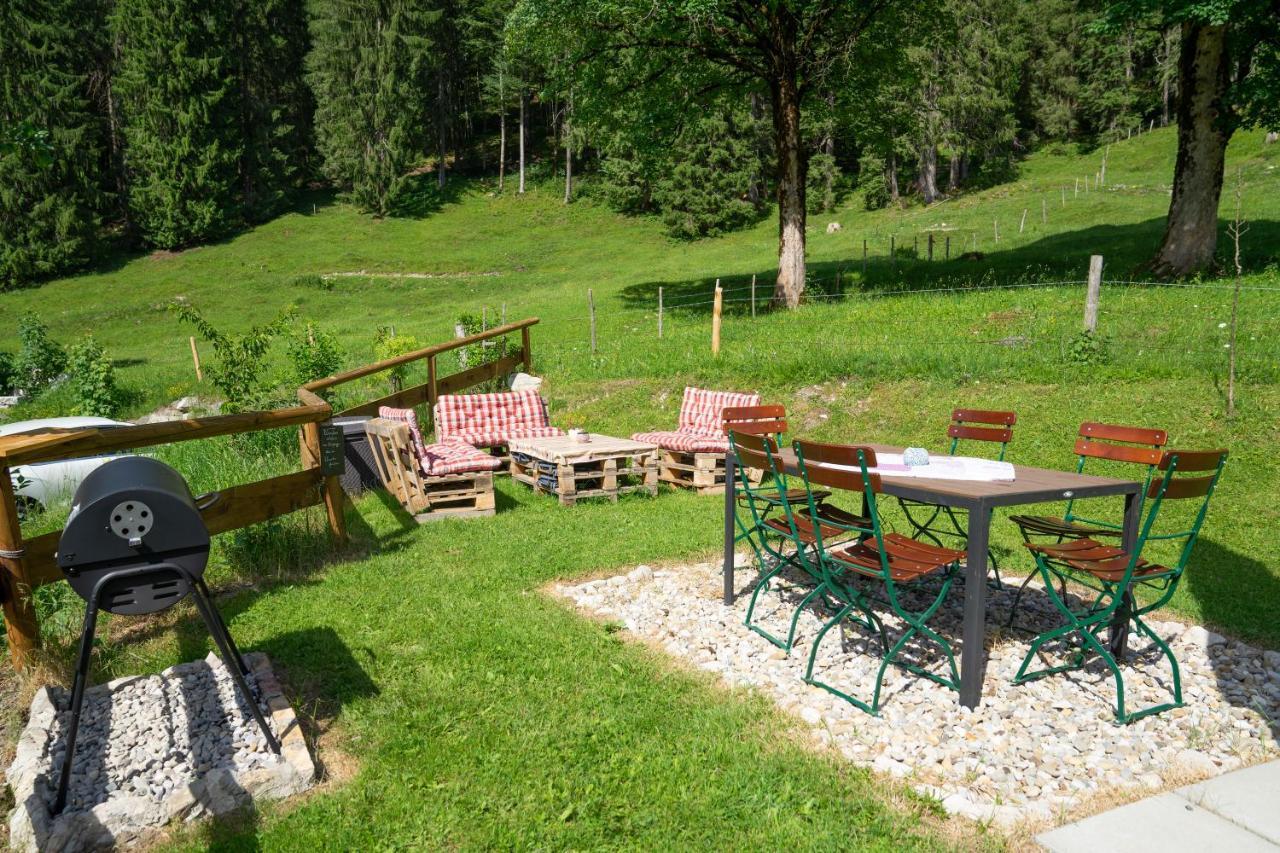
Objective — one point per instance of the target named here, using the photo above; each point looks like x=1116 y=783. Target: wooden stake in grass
x=1106 y=152
x=948 y=248
x=1077 y=187
x=753 y=287
x=659 y=313
x=864 y=257
x=1044 y=211
x=995 y=227
x=1064 y=196
x=1236 y=228
x=1023 y=224
x=893 y=256
x=716 y=308
x=1093 y=294
x=195 y=357
x=591 y=310
x=931 y=247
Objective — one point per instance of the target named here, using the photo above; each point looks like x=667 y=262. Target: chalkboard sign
x=332 y=446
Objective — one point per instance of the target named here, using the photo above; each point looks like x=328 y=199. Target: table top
x=564 y=448
x=1031 y=485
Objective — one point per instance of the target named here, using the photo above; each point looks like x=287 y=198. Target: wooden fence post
x=864 y=257
x=330 y=486
x=948 y=248
x=753 y=296
x=1064 y=196
x=915 y=245
x=995 y=227
x=1093 y=294
x=659 y=313
x=19 y=613
x=1044 y=211
x=524 y=345
x=1077 y=186
x=930 y=245
x=1023 y=224
x=715 y=319
x=893 y=256
x=591 y=309
x=432 y=392
x=195 y=358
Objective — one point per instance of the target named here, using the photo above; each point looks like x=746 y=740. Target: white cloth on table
x=944 y=468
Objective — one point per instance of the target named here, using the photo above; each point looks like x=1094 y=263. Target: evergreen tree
x=50 y=189
x=275 y=105
x=366 y=70
x=178 y=96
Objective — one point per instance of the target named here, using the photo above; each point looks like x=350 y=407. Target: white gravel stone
x=1030 y=751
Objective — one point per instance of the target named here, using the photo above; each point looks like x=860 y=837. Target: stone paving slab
x=1249 y=798
x=1164 y=824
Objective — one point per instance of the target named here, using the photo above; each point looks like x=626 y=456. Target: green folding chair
x=1113 y=575
x=934 y=521
x=767 y=420
x=1096 y=444
x=764 y=519
x=890 y=561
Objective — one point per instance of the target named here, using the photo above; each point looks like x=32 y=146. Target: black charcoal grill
x=135 y=543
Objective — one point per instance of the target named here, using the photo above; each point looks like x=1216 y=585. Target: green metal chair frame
x=1111 y=573
x=776 y=541
x=1102 y=442
x=890 y=559
x=992 y=426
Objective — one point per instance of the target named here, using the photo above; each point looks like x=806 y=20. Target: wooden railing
x=26 y=564
x=428 y=392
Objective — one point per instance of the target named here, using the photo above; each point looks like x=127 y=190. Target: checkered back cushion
x=410 y=417
x=486 y=413
x=701 y=412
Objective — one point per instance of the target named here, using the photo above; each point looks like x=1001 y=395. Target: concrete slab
x=1249 y=798
x=1163 y=824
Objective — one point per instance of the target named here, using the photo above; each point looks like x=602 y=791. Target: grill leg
x=223 y=640
x=226 y=633
x=77 y=699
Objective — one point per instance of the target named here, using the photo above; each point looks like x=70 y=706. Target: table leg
x=973 y=654
x=1119 y=630
x=729 y=498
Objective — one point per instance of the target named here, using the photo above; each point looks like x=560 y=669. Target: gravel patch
x=1029 y=752
x=150 y=749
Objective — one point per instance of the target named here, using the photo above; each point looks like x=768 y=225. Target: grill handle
x=208 y=499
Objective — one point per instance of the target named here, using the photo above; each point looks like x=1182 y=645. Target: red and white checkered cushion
x=456 y=457
x=488 y=420
x=702 y=411
x=445 y=457
x=684 y=442
x=499 y=437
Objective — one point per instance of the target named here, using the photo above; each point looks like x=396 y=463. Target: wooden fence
x=26 y=564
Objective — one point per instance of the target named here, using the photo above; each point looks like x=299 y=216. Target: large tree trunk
x=792 y=165
x=442 y=129
x=953 y=176
x=929 y=173
x=891 y=176
x=502 y=131
x=567 y=129
x=1191 y=230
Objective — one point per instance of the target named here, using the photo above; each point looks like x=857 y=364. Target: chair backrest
x=702 y=411
x=755 y=420
x=842 y=467
x=759 y=451
x=1204 y=467
x=410 y=417
x=1114 y=443
x=456 y=413
x=992 y=425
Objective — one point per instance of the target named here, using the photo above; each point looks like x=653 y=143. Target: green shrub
x=481 y=353
x=1088 y=348
x=314 y=354
x=312 y=281
x=240 y=360
x=7 y=372
x=387 y=344
x=93 y=380
x=40 y=359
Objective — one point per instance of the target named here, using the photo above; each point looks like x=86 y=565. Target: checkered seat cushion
x=492 y=420
x=445 y=457
x=700 y=428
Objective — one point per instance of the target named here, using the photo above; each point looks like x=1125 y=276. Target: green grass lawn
x=480 y=712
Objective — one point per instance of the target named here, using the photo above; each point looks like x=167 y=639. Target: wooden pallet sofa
x=490 y=421
x=692 y=455
x=447 y=479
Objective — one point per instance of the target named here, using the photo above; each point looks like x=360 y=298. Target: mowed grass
x=477 y=711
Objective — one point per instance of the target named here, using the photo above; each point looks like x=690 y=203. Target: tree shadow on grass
x=1057 y=257
x=421 y=196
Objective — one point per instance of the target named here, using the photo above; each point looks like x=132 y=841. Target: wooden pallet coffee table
x=572 y=469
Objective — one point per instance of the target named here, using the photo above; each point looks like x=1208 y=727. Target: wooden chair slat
x=1192 y=460
x=819 y=459
x=1117 y=452
x=977 y=433
x=758 y=420
x=984 y=416
x=1185 y=487
x=1132 y=435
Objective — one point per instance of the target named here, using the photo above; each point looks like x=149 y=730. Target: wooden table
x=1030 y=486
x=600 y=467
